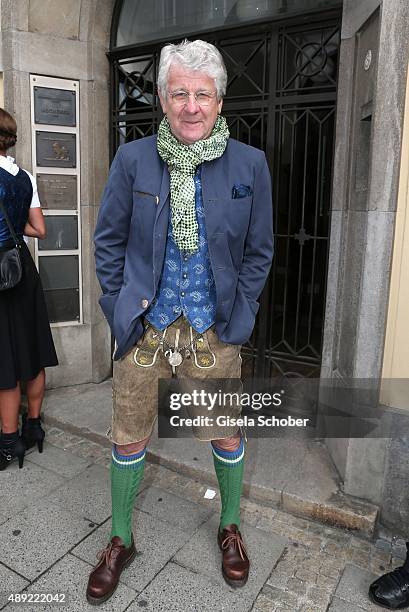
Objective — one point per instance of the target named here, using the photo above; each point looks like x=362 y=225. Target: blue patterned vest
x=186 y=285
x=16 y=193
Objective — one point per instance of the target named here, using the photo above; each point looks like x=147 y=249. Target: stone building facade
x=68 y=40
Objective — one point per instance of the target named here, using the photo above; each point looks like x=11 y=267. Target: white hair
x=193 y=55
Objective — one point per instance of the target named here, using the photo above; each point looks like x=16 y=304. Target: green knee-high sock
x=126 y=475
x=229 y=471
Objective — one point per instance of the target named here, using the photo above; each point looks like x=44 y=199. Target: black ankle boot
x=391 y=591
x=11 y=446
x=32 y=433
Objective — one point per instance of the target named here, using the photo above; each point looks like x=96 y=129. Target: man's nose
x=192 y=105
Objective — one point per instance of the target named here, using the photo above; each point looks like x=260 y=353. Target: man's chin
x=191 y=136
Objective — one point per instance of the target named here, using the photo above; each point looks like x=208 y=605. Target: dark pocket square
x=241 y=191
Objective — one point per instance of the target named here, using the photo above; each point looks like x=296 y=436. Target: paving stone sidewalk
x=55 y=516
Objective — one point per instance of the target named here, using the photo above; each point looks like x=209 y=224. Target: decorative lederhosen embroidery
x=152 y=342
x=202 y=354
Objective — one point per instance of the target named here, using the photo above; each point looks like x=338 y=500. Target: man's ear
x=219 y=107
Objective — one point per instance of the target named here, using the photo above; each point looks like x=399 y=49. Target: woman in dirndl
x=26 y=343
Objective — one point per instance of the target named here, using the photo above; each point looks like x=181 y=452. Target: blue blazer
x=130 y=236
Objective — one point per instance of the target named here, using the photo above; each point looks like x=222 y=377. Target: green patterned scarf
x=182 y=161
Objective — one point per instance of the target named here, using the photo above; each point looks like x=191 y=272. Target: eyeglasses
x=203 y=98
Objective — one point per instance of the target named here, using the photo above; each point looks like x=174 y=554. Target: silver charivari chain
x=174 y=353
x=174 y=357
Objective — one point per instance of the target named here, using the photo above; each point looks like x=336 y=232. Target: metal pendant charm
x=175 y=358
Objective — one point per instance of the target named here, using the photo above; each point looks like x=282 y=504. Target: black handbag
x=11 y=268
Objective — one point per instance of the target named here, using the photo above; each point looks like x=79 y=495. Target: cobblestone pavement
x=316 y=568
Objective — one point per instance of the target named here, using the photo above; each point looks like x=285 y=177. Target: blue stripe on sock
x=230 y=457
x=128 y=461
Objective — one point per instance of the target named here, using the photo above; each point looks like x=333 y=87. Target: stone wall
x=362 y=230
x=69 y=40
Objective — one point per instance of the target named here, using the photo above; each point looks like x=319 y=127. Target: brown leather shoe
x=104 y=577
x=235 y=564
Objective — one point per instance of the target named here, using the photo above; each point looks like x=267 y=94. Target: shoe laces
x=234 y=538
x=108 y=554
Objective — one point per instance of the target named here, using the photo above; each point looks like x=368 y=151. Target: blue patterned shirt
x=186 y=285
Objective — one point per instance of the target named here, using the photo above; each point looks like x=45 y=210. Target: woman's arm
x=35 y=226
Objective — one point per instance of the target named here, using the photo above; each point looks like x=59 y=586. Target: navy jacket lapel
x=212 y=173
x=164 y=189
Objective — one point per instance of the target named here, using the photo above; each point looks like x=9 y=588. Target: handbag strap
x=12 y=232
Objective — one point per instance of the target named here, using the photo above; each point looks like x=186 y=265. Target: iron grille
x=281 y=97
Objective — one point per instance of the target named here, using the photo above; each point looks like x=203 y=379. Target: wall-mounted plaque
x=62 y=233
x=56 y=150
x=54 y=106
x=57 y=191
x=60 y=278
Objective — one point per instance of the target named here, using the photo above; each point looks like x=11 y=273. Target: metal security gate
x=281 y=97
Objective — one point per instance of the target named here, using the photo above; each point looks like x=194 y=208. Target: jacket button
x=145 y=303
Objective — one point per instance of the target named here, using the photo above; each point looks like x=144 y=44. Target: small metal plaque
x=56 y=150
x=54 y=106
x=57 y=191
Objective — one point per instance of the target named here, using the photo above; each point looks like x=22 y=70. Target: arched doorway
x=282 y=60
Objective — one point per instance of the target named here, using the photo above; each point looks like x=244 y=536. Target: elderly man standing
x=184 y=243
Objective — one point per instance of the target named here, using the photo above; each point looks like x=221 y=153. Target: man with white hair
x=183 y=247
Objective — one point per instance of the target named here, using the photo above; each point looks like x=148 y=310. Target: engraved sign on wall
x=57 y=191
x=54 y=106
x=56 y=149
x=56 y=153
